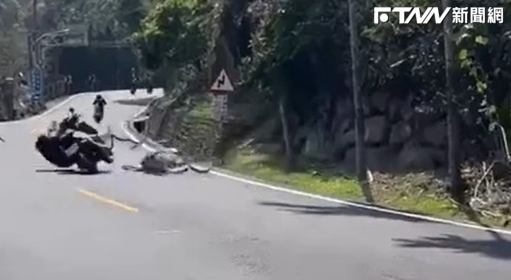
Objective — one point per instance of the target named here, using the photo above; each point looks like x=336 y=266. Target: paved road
x=58 y=226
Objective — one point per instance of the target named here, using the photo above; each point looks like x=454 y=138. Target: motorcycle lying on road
x=62 y=148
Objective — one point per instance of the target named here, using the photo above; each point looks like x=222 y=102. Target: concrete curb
x=143 y=116
x=139 y=137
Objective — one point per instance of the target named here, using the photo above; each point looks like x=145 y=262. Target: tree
x=295 y=62
x=130 y=14
x=9 y=14
x=121 y=16
x=173 y=35
x=13 y=40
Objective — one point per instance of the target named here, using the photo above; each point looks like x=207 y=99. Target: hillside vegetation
x=294 y=98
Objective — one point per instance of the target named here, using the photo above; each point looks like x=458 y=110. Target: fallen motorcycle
x=62 y=148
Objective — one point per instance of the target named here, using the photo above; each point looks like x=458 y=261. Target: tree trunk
x=456 y=186
x=290 y=157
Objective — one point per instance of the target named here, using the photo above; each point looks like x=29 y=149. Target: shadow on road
x=71 y=172
x=494 y=248
x=498 y=247
x=345 y=210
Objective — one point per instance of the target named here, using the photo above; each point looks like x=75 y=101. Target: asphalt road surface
x=130 y=226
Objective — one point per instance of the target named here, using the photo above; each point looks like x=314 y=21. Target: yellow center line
x=111 y=202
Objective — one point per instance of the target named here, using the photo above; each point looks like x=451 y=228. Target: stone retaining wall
x=399 y=136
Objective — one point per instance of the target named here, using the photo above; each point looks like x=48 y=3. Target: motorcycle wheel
x=87 y=165
x=98 y=119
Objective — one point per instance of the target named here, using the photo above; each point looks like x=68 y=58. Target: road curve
x=130 y=226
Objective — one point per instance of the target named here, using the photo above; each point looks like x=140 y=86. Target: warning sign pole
x=221 y=88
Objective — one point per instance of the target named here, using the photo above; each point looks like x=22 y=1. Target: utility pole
x=32 y=35
x=357 y=101
x=34 y=12
x=452 y=112
x=357 y=98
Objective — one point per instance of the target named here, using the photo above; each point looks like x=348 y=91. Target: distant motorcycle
x=62 y=148
x=98 y=113
x=149 y=88
x=133 y=88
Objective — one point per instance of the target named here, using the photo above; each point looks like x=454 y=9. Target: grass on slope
x=194 y=133
x=265 y=167
x=417 y=193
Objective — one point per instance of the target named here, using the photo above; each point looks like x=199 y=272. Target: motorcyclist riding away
x=99 y=108
x=99 y=101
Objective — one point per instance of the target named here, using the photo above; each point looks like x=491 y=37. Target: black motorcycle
x=149 y=86
x=98 y=113
x=62 y=148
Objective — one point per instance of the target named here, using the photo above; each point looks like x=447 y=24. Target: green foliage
x=116 y=18
x=296 y=49
x=9 y=14
x=172 y=34
x=13 y=37
x=130 y=13
x=418 y=49
x=300 y=49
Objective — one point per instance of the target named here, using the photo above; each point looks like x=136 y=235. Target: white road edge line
x=124 y=127
x=281 y=189
x=52 y=109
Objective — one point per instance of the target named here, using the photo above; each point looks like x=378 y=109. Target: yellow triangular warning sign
x=222 y=83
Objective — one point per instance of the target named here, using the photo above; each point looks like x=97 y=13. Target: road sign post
x=220 y=107
x=36 y=84
x=221 y=88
